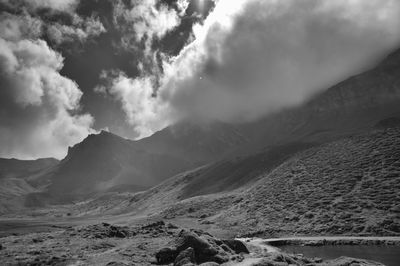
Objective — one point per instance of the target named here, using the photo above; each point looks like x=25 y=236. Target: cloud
x=60 y=5
x=144 y=112
x=38 y=106
x=81 y=30
x=60 y=25
x=14 y=27
x=40 y=110
x=251 y=58
x=145 y=20
x=33 y=5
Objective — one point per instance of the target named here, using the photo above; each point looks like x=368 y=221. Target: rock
x=117 y=232
x=166 y=255
x=219 y=258
x=347 y=261
x=185 y=257
x=200 y=246
x=236 y=245
x=172 y=226
x=317 y=260
x=104 y=231
x=154 y=225
x=226 y=248
x=116 y=263
x=37 y=240
x=269 y=262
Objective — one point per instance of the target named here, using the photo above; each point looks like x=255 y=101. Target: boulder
x=166 y=255
x=236 y=245
x=185 y=257
x=203 y=250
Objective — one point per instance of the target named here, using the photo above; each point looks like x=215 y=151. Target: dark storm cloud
x=250 y=58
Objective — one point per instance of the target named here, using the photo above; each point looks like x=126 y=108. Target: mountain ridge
x=104 y=162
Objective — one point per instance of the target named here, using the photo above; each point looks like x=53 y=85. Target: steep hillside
x=345 y=187
x=349 y=186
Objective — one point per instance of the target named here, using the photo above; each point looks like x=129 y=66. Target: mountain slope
x=352 y=106
x=349 y=186
x=352 y=166
x=19 y=178
x=106 y=162
x=13 y=168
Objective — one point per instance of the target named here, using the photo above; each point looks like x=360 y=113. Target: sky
x=69 y=68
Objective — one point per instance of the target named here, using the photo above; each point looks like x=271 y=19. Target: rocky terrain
x=149 y=244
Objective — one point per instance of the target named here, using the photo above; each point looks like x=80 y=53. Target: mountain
x=106 y=162
x=234 y=155
x=348 y=186
x=301 y=169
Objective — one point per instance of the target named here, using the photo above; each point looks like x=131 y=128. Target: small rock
x=116 y=263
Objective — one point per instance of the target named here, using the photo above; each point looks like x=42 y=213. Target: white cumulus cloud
x=250 y=58
x=39 y=108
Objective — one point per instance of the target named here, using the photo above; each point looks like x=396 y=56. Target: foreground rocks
x=197 y=247
x=113 y=245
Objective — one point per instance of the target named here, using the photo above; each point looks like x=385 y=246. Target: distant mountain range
x=235 y=155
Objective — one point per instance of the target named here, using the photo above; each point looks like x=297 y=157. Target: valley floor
x=96 y=241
